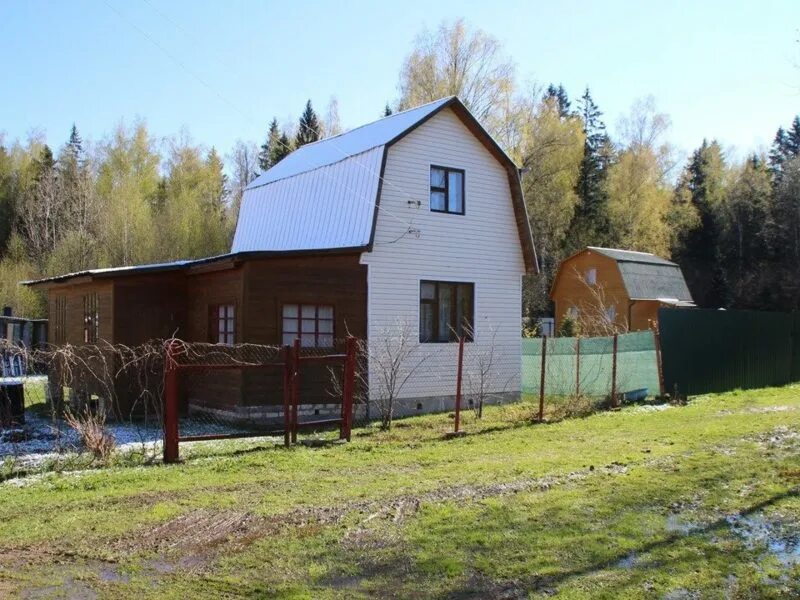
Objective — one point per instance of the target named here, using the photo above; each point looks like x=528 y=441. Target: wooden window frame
x=60 y=320
x=446 y=190
x=213 y=322
x=434 y=302
x=299 y=319
x=91 y=318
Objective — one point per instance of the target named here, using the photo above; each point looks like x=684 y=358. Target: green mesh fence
x=584 y=365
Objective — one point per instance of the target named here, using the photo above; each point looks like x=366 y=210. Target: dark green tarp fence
x=705 y=350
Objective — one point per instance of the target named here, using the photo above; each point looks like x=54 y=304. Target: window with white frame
x=591 y=276
x=611 y=313
x=572 y=312
x=447 y=190
x=312 y=323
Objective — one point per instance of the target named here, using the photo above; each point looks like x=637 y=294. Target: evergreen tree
x=387 y=110
x=702 y=186
x=785 y=146
x=280 y=149
x=309 y=129
x=75 y=144
x=590 y=224
x=559 y=96
x=266 y=155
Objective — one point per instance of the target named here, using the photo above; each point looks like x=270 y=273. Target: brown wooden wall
x=644 y=314
x=74 y=295
x=149 y=307
x=569 y=290
x=339 y=281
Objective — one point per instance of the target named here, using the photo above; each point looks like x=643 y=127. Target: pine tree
x=785 y=146
x=280 y=149
x=309 y=129
x=702 y=186
x=265 y=156
x=75 y=144
x=590 y=224
x=387 y=110
x=559 y=95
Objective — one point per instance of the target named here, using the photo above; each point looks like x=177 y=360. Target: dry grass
x=91 y=427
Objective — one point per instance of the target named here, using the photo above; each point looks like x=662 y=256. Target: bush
x=91 y=427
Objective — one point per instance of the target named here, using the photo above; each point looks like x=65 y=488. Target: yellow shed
x=607 y=290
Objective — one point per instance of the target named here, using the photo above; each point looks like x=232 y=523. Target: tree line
x=732 y=225
x=130 y=199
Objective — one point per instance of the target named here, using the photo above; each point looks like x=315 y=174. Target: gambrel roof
x=326 y=195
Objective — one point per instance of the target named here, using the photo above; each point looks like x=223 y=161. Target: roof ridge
x=344 y=158
x=384 y=118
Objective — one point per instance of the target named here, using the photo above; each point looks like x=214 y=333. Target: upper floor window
x=445 y=311
x=222 y=324
x=447 y=190
x=591 y=276
x=312 y=323
x=91 y=319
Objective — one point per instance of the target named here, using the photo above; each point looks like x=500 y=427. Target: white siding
x=481 y=246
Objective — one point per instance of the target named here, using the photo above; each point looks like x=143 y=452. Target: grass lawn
x=673 y=502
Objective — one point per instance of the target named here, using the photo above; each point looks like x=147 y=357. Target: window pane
x=437 y=200
x=308 y=340
x=221 y=325
x=290 y=325
x=426 y=322
x=221 y=312
x=325 y=326
x=290 y=310
x=229 y=310
x=288 y=339
x=229 y=339
x=437 y=178
x=427 y=290
x=325 y=312
x=445 y=297
x=309 y=311
x=464 y=310
x=456 y=204
x=325 y=341
x=309 y=326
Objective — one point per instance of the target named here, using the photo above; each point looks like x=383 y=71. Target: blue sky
x=729 y=70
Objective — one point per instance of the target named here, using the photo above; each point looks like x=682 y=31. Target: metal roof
x=631 y=256
x=329 y=207
x=654 y=281
x=324 y=194
x=339 y=147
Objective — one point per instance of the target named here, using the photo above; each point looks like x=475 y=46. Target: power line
x=408 y=223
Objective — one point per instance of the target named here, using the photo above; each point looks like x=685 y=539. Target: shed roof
x=325 y=195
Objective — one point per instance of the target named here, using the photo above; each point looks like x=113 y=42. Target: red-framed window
x=312 y=323
x=222 y=324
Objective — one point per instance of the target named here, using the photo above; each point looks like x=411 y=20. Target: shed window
x=445 y=311
x=591 y=276
x=447 y=190
x=91 y=319
x=222 y=324
x=312 y=323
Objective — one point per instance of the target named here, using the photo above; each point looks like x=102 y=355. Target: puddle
x=675 y=524
x=756 y=531
x=628 y=561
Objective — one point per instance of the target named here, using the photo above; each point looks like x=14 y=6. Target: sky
x=221 y=70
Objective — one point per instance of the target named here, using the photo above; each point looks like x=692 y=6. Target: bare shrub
x=91 y=428
x=572 y=407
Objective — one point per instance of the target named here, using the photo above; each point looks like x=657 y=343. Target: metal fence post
x=171 y=433
x=459 y=374
x=657 y=341
x=577 y=367
x=614 y=373
x=295 y=386
x=542 y=379
x=287 y=395
x=348 y=388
